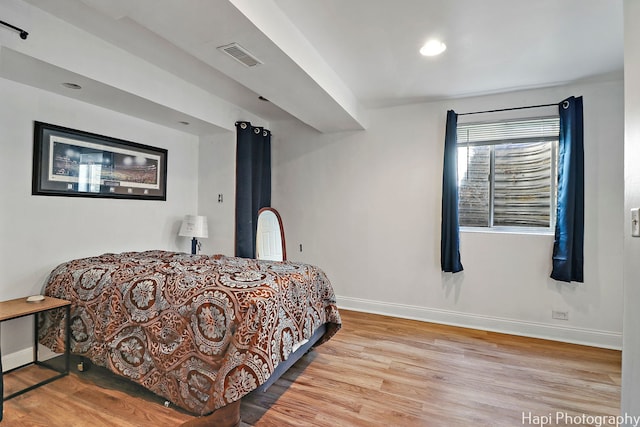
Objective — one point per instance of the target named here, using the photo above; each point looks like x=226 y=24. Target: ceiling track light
x=23 y=34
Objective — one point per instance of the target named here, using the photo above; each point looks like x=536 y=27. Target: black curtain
x=450 y=231
x=568 y=247
x=253 y=183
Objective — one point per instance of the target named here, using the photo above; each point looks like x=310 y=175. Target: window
x=507 y=173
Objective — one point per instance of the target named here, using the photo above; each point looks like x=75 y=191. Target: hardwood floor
x=377 y=371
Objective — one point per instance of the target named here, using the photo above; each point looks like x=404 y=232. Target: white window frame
x=489 y=139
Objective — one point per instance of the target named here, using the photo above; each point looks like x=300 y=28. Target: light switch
x=635 y=222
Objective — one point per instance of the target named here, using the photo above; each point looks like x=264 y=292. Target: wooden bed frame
x=229 y=416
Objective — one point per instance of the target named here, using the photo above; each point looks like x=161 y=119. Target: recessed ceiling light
x=71 y=85
x=433 y=47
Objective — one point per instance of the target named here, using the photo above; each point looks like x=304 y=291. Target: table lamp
x=194 y=226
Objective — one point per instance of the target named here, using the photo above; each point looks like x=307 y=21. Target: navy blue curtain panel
x=450 y=231
x=253 y=184
x=568 y=247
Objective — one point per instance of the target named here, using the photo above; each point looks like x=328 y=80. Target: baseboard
x=582 y=336
x=18 y=358
x=24 y=356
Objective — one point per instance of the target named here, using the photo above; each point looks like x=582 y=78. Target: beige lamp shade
x=194 y=226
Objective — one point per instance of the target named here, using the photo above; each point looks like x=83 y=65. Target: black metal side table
x=20 y=307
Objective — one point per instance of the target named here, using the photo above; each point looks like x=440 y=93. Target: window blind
x=523 y=130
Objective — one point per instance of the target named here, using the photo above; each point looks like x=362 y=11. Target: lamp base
x=194 y=245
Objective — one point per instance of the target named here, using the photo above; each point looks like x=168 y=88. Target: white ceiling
x=327 y=61
x=493 y=45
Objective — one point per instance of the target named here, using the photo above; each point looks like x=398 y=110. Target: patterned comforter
x=199 y=331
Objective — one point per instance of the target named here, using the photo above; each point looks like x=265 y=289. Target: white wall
x=366 y=207
x=39 y=232
x=217 y=175
x=631 y=343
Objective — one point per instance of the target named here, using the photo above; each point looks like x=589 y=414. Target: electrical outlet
x=560 y=315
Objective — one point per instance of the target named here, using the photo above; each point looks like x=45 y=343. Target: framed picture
x=68 y=162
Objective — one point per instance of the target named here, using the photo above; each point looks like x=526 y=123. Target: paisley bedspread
x=201 y=331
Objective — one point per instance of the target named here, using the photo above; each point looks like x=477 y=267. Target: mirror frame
x=277 y=214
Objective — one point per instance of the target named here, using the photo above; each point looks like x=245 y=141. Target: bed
x=200 y=331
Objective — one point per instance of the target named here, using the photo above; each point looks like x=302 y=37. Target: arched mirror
x=270 y=244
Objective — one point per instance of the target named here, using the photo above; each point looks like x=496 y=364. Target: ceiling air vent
x=240 y=54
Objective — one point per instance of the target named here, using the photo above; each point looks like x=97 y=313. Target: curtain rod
x=508 y=109
x=23 y=33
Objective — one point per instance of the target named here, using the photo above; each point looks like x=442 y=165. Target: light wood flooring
x=377 y=371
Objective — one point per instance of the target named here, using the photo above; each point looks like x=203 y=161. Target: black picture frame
x=70 y=162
